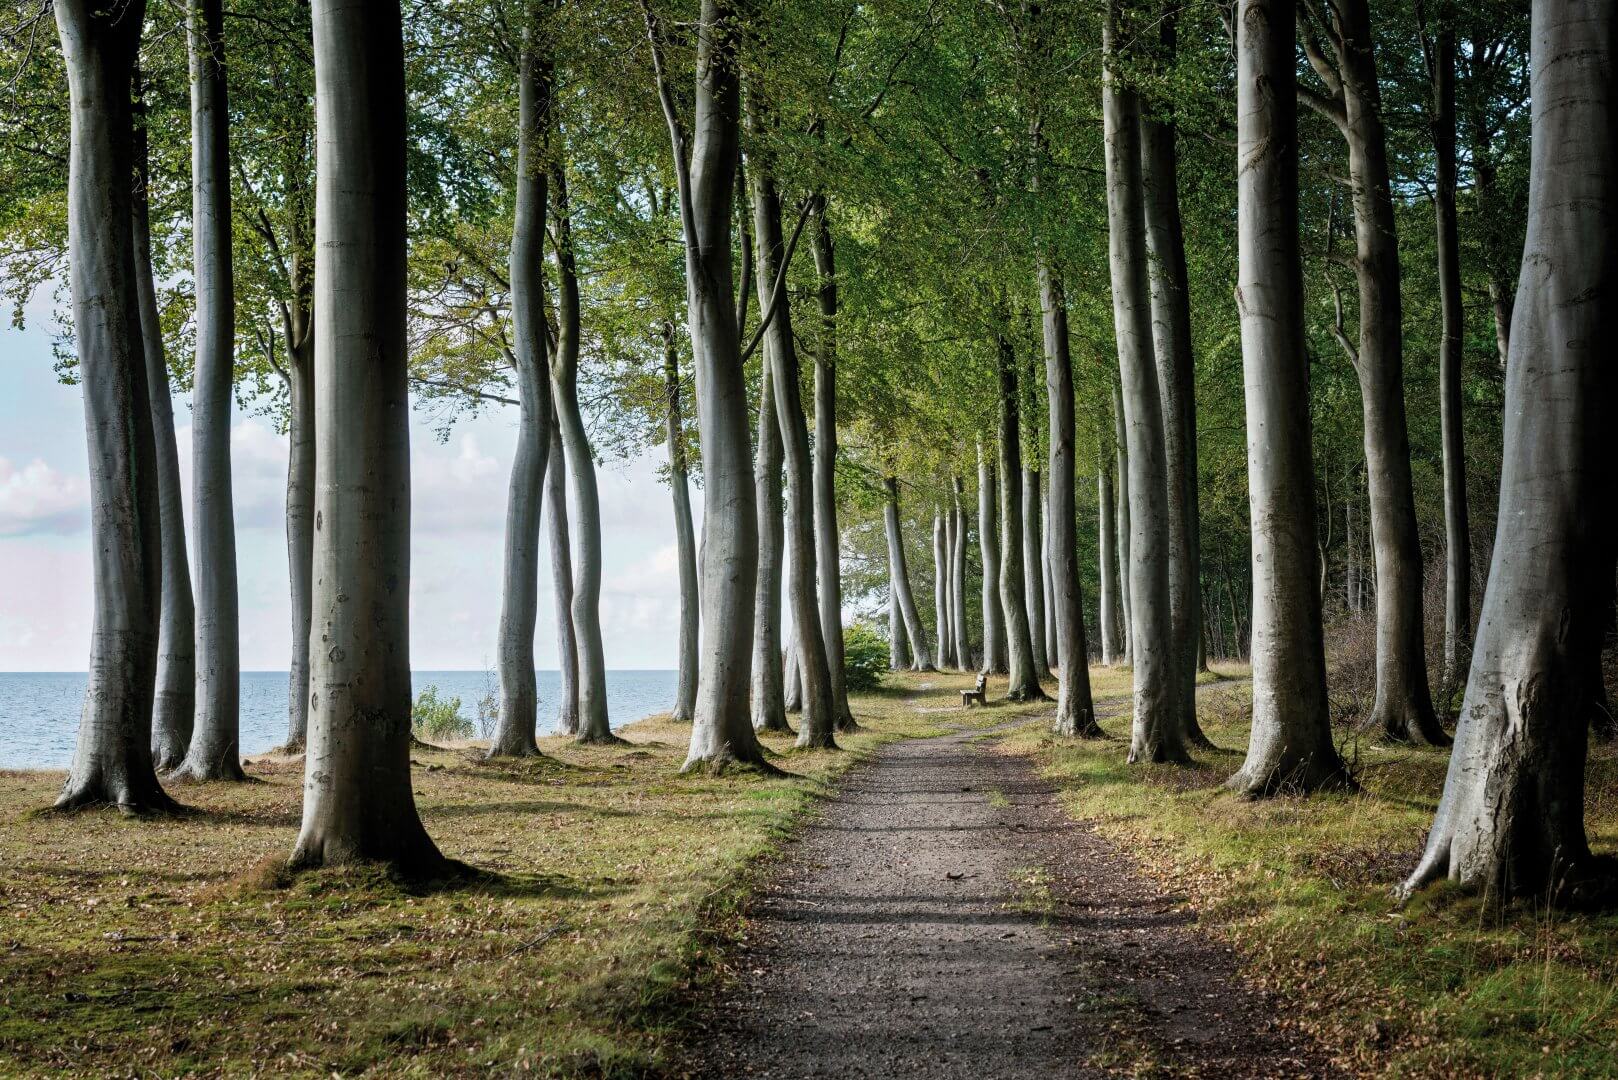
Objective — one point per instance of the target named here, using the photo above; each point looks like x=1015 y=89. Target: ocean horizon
x=39 y=710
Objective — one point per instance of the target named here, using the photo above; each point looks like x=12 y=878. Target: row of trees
x=957 y=177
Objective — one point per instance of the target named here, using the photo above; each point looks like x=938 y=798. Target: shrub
x=433 y=718
x=865 y=657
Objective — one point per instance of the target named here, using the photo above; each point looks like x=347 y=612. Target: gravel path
x=945 y=919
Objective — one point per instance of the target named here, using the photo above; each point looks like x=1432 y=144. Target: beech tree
x=685 y=696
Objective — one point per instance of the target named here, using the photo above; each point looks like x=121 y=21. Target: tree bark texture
x=685 y=540
x=899 y=574
x=941 y=605
x=963 y=640
x=1023 y=678
x=769 y=688
x=994 y=625
x=559 y=531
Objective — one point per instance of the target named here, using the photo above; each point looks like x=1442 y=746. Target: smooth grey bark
x=958 y=531
x=594 y=725
x=721 y=731
x=1052 y=649
x=794 y=676
x=358 y=803
x=1157 y=734
x=769 y=690
x=1176 y=384
x=1033 y=563
x=174 y=702
x=1403 y=707
x=941 y=606
x=1511 y=819
x=828 y=556
x=1290 y=748
x=1439 y=50
x=898 y=645
x=518 y=725
x=899 y=575
x=820 y=718
x=300 y=514
x=1075 y=708
x=559 y=532
x=994 y=627
x=215 y=750
x=1110 y=614
x=1121 y=523
x=685 y=541
x=1022 y=678
x=112 y=760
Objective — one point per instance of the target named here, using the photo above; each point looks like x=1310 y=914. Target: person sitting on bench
x=978 y=693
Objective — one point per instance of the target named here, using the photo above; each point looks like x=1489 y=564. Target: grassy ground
x=153 y=948
x=1302 y=887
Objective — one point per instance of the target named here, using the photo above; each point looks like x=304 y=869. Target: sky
x=458 y=507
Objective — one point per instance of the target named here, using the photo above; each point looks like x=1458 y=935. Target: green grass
x=1302 y=888
x=168 y=947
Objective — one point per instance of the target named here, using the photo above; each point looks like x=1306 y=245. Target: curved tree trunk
x=1511 y=820
x=112 y=761
x=358 y=803
x=514 y=735
x=793 y=673
x=1110 y=614
x=899 y=575
x=963 y=639
x=1157 y=733
x=828 y=556
x=1290 y=749
x=561 y=545
x=1457 y=528
x=941 y=612
x=581 y=471
x=685 y=541
x=994 y=627
x=1052 y=649
x=1075 y=710
x=769 y=691
x=808 y=614
x=1176 y=384
x=721 y=731
x=215 y=750
x=1122 y=524
x=1023 y=678
x=174 y=704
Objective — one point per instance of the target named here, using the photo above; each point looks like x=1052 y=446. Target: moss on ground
x=178 y=946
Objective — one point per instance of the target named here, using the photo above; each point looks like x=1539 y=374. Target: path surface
x=945 y=919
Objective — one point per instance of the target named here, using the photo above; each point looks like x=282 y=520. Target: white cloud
x=38 y=498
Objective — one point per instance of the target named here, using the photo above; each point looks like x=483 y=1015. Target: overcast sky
x=459 y=498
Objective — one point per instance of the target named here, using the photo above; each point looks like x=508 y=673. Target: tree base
x=516 y=751
x=1293 y=776
x=145 y=803
x=1078 y=727
x=719 y=764
x=599 y=738
x=1411 y=723
x=1027 y=694
x=227 y=771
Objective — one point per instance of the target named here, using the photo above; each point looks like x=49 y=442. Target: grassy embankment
x=156 y=948
x=1443 y=987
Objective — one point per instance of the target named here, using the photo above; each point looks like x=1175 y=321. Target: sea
x=39 y=710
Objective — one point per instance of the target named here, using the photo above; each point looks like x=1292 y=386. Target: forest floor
x=625 y=909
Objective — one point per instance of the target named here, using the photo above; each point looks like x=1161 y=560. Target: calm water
x=39 y=711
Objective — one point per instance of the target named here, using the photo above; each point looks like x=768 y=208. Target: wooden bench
x=978 y=693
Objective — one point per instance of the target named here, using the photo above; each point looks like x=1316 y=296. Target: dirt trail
x=945 y=919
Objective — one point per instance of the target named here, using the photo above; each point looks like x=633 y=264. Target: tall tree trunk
x=1500 y=291
x=941 y=606
x=1110 y=614
x=1121 y=521
x=112 y=761
x=1075 y=709
x=1403 y=708
x=1023 y=679
x=994 y=627
x=300 y=514
x=514 y=735
x=559 y=532
x=829 y=560
x=581 y=472
x=1440 y=52
x=808 y=616
x=358 y=804
x=1033 y=563
x=1158 y=735
x=721 y=731
x=1176 y=384
x=899 y=573
x=1511 y=820
x=963 y=639
x=215 y=750
x=1052 y=649
x=1290 y=748
x=794 y=676
x=769 y=690
x=174 y=705
x=898 y=644
x=685 y=540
